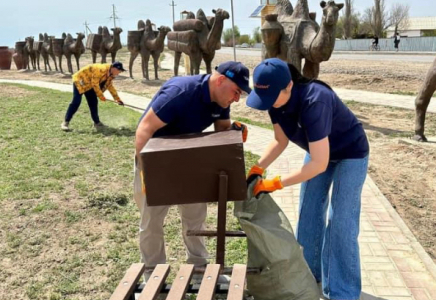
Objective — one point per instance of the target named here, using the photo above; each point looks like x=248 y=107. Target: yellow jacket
x=91 y=76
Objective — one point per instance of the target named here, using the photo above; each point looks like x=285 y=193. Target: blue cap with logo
x=269 y=78
x=236 y=72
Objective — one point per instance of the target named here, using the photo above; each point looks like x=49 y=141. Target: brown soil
x=404 y=171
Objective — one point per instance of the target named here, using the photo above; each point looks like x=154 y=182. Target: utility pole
x=87 y=28
x=172 y=4
x=233 y=32
x=114 y=15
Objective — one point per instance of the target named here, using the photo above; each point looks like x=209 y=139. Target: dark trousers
x=91 y=97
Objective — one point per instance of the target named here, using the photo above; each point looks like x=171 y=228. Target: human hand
x=265 y=186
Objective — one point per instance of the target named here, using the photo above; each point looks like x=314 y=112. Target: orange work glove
x=142 y=181
x=264 y=186
x=240 y=127
x=103 y=99
x=255 y=172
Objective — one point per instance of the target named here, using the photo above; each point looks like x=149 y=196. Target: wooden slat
x=208 y=284
x=155 y=283
x=225 y=270
x=181 y=283
x=128 y=283
x=237 y=282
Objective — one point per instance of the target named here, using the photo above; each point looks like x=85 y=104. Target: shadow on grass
x=107 y=131
x=110 y=131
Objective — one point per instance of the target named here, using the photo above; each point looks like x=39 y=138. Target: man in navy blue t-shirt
x=185 y=105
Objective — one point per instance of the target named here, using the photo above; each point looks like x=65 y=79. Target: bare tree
x=347 y=22
x=399 y=16
x=380 y=17
x=377 y=17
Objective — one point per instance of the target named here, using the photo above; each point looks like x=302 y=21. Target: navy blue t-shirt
x=184 y=104
x=314 y=112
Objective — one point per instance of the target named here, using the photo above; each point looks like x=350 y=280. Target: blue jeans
x=330 y=246
x=91 y=97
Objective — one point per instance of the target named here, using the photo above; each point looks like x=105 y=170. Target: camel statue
x=73 y=47
x=146 y=41
x=94 y=43
x=29 y=53
x=152 y=45
x=37 y=47
x=134 y=38
x=422 y=101
x=194 y=38
x=214 y=38
x=58 y=49
x=109 y=44
x=47 y=52
x=292 y=35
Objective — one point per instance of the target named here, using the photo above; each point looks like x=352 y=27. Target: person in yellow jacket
x=92 y=81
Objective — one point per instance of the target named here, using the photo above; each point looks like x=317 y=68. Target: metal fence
x=418 y=44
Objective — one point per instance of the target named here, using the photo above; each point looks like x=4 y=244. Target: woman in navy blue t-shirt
x=310 y=114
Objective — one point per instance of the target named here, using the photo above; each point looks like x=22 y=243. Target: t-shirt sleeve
x=225 y=114
x=316 y=119
x=169 y=103
x=273 y=116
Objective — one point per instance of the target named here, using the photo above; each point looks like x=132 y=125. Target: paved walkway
x=394 y=264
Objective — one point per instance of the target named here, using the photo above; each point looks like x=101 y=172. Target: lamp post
x=233 y=32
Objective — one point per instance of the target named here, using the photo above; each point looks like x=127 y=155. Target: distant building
x=266 y=7
x=417 y=27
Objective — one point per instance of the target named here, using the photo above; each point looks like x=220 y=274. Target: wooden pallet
x=181 y=285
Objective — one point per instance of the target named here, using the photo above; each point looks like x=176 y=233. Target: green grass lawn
x=68 y=224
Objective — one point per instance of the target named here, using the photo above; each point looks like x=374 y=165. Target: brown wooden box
x=93 y=41
x=185 y=169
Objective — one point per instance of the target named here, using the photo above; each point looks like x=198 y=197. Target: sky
x=19 y=19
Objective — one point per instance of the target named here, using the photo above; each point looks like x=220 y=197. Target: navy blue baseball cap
x=236 y=72
x=269 y=78
x=118 y=65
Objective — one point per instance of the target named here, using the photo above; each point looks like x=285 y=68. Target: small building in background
x=266 y=7
x=418 y=26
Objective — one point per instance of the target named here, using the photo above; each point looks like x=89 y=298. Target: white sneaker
x=64 y=126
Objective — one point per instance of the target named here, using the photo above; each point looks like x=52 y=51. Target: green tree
x=257 y=36
x=227 y=36
x=245 y=38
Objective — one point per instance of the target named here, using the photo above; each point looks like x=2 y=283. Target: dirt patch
x=405 y=171
x=9 y=91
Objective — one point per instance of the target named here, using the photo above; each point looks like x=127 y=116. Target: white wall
x=405 y=33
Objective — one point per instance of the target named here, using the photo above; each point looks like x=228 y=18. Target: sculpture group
x=198 y=38
x=293 y=34
x=28 y=53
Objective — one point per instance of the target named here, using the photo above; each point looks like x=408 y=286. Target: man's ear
x=220 y=79
x=290 y=85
